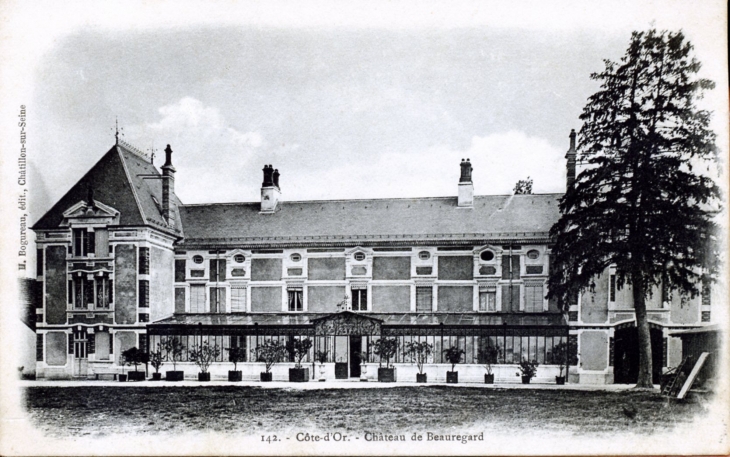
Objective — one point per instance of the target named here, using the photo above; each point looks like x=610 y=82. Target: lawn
x=98 y=411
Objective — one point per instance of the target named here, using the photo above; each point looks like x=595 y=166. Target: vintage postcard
x=364 y=228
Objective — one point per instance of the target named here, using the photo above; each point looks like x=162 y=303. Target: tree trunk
x=642 y=325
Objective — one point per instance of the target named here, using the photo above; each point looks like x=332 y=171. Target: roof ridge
x=372 y=199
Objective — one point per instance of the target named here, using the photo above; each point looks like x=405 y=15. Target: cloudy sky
x=367 y=101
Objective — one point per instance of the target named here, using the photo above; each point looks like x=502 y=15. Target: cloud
x=208 y=149
x=499 y=161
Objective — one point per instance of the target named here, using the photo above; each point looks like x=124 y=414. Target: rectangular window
x=533 y=298
x=144 y=293
x=359 y=299
x=612 y=288
x=103 y=293
x=217 y=299
x=143 y=342
x=39 y=347
x=238 y=299
x=197 y=299
x=144 y=261
x=511 y=298
x=83 y=293
x=295 y=297
x=488 y=300
x=179 y=270
x=424 y=299
x=510 y=266
x=217 y=270
x=80 y=242
x=39 y=262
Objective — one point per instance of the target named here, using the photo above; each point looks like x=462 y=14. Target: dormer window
x=83 y=242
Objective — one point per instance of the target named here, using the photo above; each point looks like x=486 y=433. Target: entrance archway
x=626 y=355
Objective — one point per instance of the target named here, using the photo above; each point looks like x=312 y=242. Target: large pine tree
x=644 y=200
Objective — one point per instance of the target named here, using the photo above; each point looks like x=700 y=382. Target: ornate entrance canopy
x=347 y=323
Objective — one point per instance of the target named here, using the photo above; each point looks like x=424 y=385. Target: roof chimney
x=168 y=188
x=466 y=187
x=270 y=192
x=570 y=155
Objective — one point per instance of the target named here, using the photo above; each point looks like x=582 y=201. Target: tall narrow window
x=179 y=270
x=533 y=298
x=217 y=299
x=39 y=262
x=238 y=299
x=359 y=299
x=424 y=299
x=296 y=301
x=80 y=243
x=197 y=298
x=510 y=266
x=217 y=270
x=488 y=300
x=144 y=261
x=612 y=287
x=144 y=293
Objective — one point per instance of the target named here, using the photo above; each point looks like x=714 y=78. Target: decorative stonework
x=347 y=323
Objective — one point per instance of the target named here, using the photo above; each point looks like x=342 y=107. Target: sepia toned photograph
x=364 y=228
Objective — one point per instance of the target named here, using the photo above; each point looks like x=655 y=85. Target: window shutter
x=179 y=270
x=222 y=269
x=91 y=243
x=213 y=298
x=70 y=343
x=506 y=266
x=144 y=261
x=213 y=270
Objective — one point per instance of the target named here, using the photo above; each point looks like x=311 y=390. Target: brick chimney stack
x=466 y=187
x=571 y=156
x=270 y=192
x=168 y=188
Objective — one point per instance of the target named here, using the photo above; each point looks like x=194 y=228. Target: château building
x=123 y=262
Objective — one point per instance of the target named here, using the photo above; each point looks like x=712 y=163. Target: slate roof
x=407 y=218
x=117 y=180
x=394 y=319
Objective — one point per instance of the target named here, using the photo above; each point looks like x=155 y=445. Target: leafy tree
x=298 y=349
x=156 y=359
x=235 y=355
x=204 y=354
x=454 y=355
x=385 y=349
x=269 y=352
x=640 y=202
x=419 y=351
x=133 y=356
x=523 y=186
x=173 y=350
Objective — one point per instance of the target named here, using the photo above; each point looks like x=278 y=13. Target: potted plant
x=528 y=369
x=135 y=357
x=298 y=349
x=563 y=357
x=173 y=351
x=385 y=349
x=156 y=362
x=235 y=355
x=269 y=352
x=453 y=355
x=489 y=356
x=203 y=355
x=321 y=357
x=420 y=351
